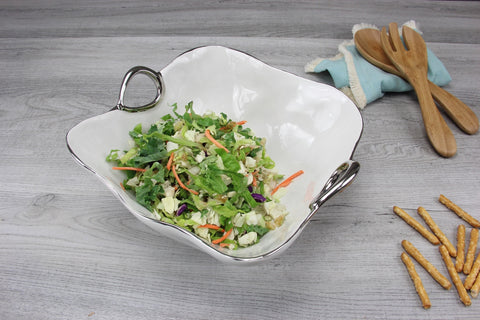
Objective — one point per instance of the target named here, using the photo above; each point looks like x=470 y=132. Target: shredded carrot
x=180 y=181
x=170 y=161
x=122 y=186
x=129 y=168
x=215 y=142
x=287 y=181
x=225 y=235
x=224 y=244
x=254 y=182
x=241 y=122
x=211 y=226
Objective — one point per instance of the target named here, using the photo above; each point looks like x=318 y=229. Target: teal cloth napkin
x=364 y=82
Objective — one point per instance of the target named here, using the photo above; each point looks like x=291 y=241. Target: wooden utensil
x=412 y=63
x=368 y=43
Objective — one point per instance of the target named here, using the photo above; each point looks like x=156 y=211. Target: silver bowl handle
x=157 y=80
x=341 y=178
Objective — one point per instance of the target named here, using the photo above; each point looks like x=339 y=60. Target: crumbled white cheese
x=133 y=182
x=219 y=163
x=194 y=170
x=197 y=218
x=237 y=136
x=170 y=204
x=199 y=157
x=275 y=209
x=279 y=194
x=177 y=126
x=261 y=220
x=213 y=217
x=231 y=236
x=190 y=135
x=250 y=162
x=249 y=179
x=171 y=146
x=169 y=191
x=251 y=218
x=226 y=179
x=242 y=170
x=238 y=220
x=247 y=239
x=203 y=232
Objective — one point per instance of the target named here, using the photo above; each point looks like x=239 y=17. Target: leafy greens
x=177 y=170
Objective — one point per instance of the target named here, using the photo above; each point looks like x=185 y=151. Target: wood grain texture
x=413 y=65
x=70 y=250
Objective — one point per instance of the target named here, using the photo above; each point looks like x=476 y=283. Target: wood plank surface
x=70 y=250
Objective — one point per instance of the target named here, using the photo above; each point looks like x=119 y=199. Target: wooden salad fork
x=368 y=43
x=411 y=61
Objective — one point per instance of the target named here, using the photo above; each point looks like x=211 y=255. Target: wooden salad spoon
x=411 y=61
x=368 y=43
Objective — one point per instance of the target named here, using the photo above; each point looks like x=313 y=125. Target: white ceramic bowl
x=308 y=126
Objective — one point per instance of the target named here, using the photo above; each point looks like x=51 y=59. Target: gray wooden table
x=70 y=250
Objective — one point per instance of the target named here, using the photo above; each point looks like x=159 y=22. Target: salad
x=207 y=174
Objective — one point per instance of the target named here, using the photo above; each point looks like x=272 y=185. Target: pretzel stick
x=412 y=251
x=416 y=281
x=473 y=274
x=459 y=211
x=416 y=225
x=462 y=293
x=436 y=230
x=475 y=287
x=460 y=248
x=472 y=247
